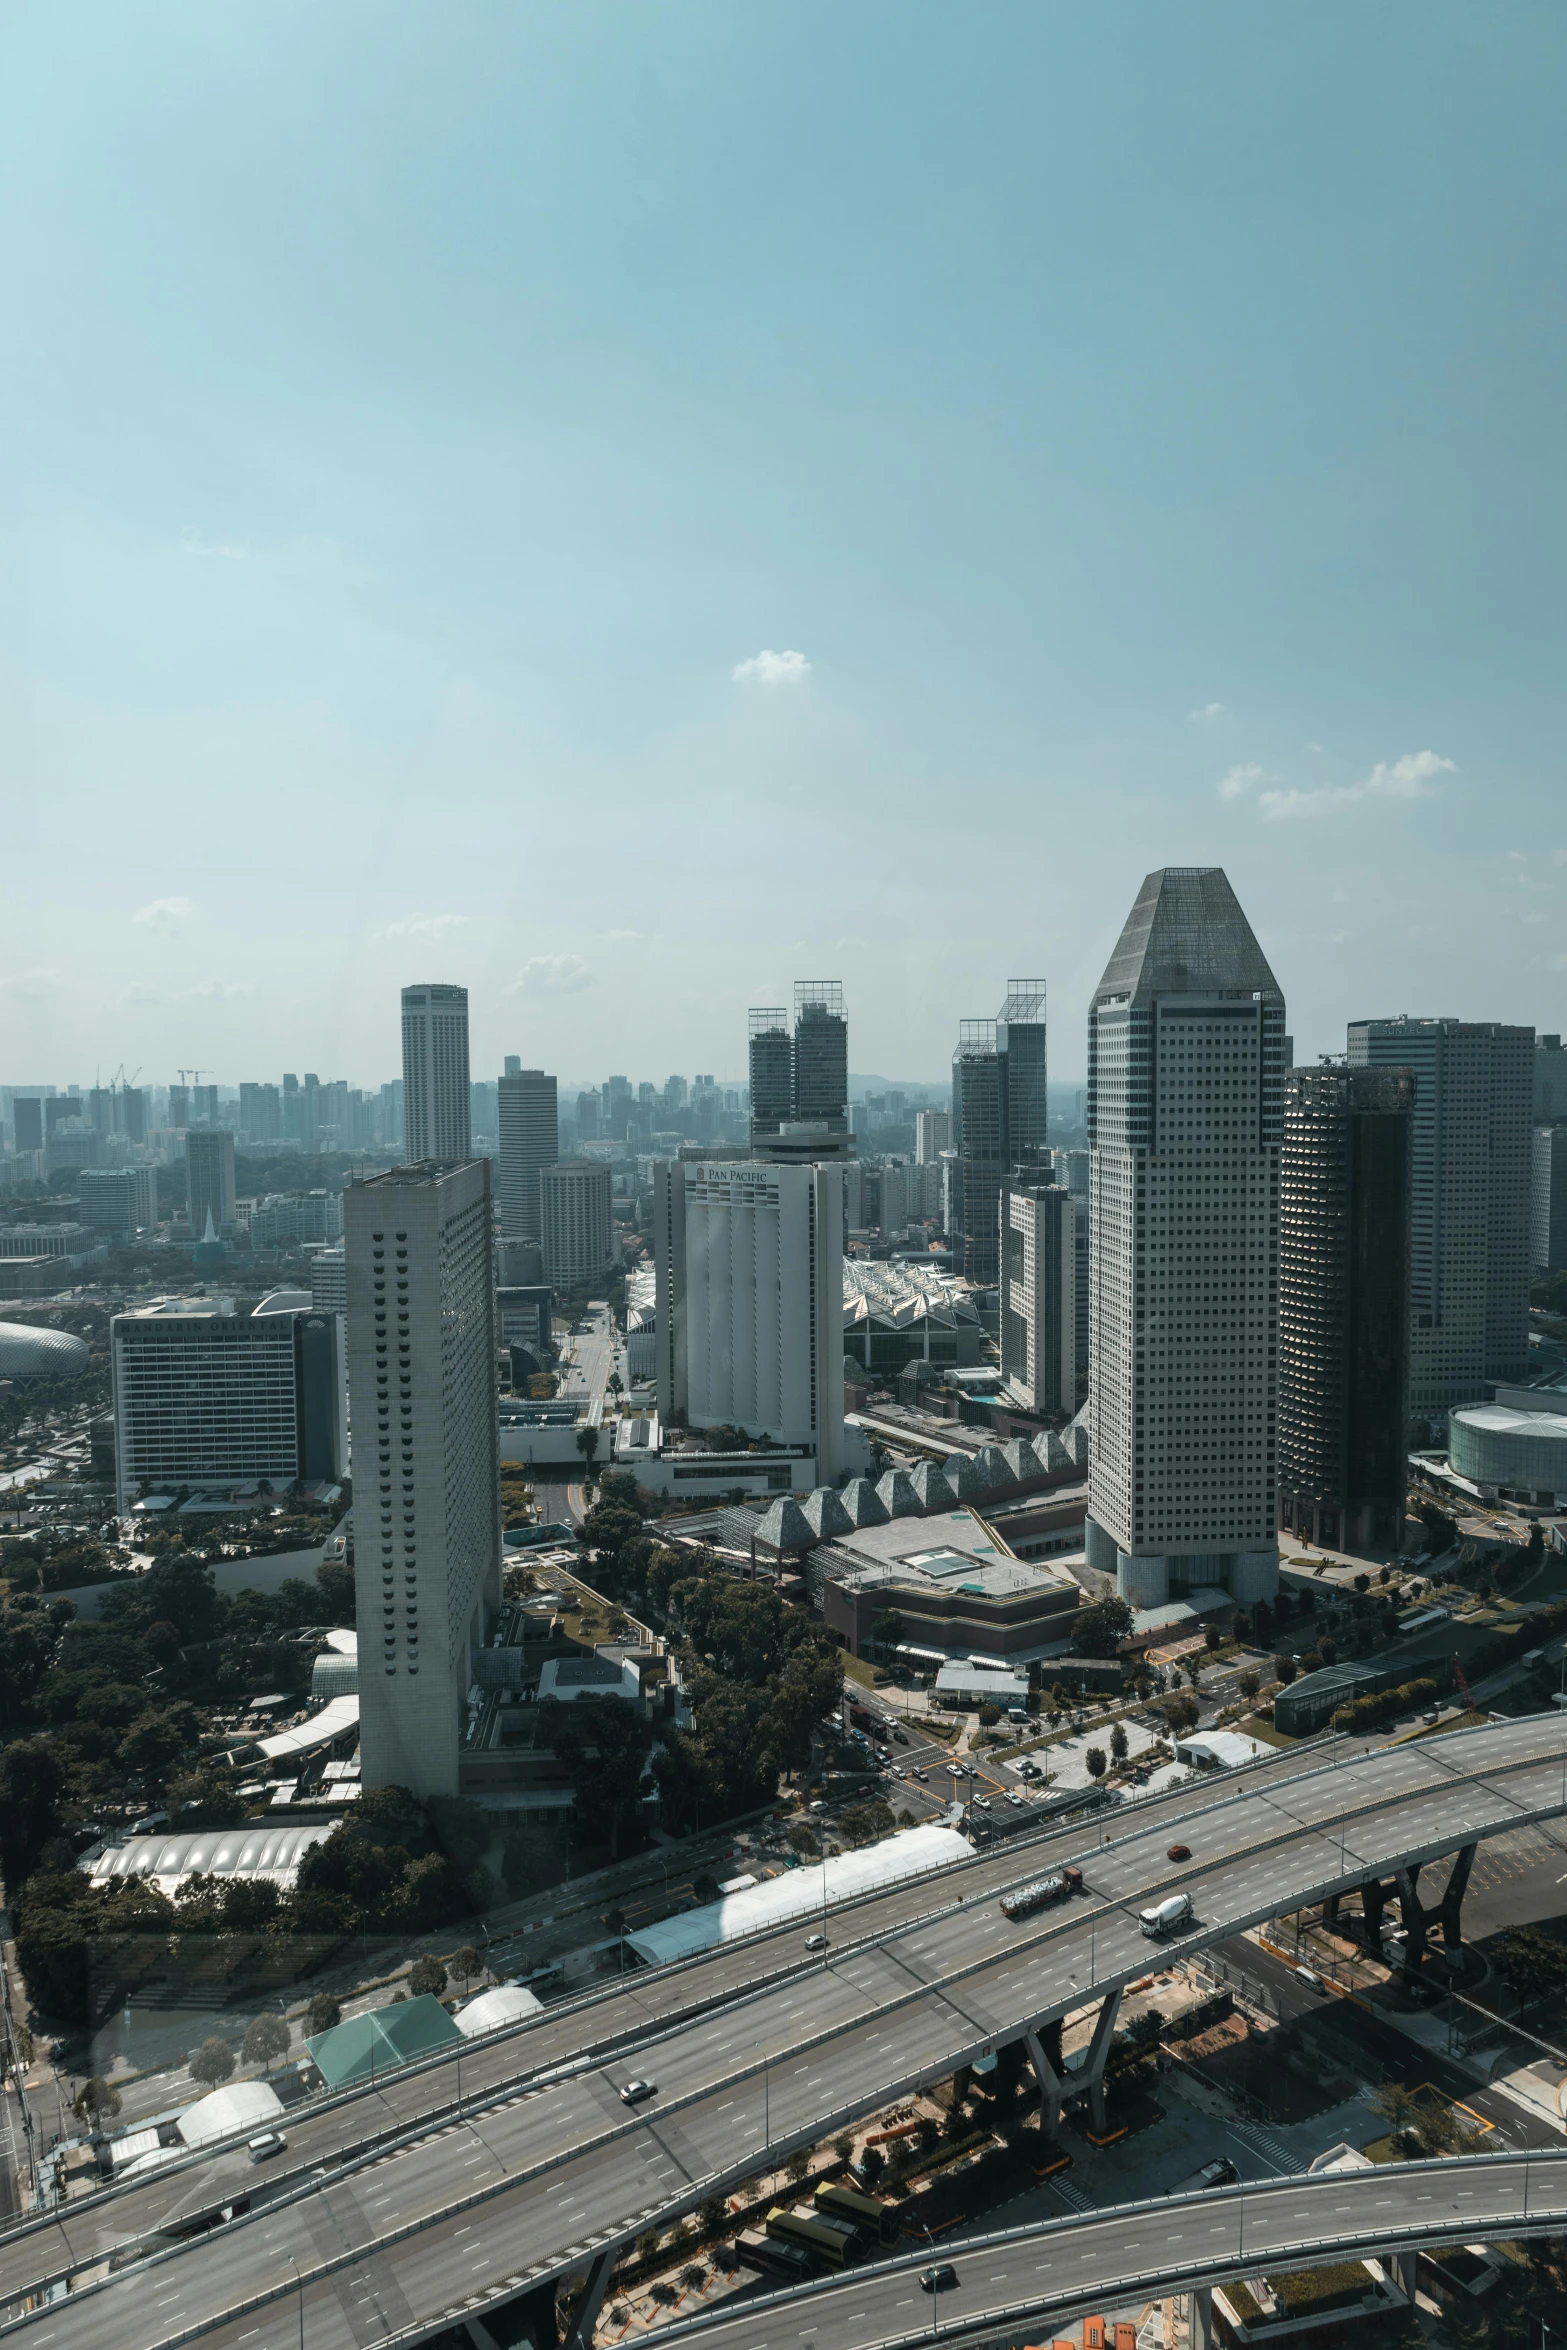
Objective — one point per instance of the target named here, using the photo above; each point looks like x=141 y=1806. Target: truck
x=834 y=2240
x=1023 y=1900
x=773 y=2254
x=862 y=1718
x=1166 y=1916
x=867 y=2213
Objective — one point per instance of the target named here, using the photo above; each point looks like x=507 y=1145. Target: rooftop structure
x=251 y=1853
x=894 y=1314
x=952 y=1584
x=1510 y=1455
x=26 y=1353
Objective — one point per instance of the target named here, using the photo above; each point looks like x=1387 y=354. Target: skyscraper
x=748 y=1264
x=1185 y=1122
x=1344 y=1306
x=998 y=1119
x=421 y=1369
x=932 y=1135
x=205 y=1395
x=209 y=1179
x=578 y=1235
x=1470 y=1179
x=529 y=1139
x=771 y=1070
x=435 y=1074
x=1548 y=1199
x=1041 y=1295
x=821 y=1053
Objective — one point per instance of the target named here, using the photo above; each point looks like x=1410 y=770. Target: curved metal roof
x=26 y=1353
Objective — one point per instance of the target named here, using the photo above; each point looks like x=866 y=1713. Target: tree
x=96 y=2102
x=466 y=1962
x=1098 y=1630
x=1118 y=1742
x=1094 y=1760
x=1211 y=1636
x=1327 y=1649
x=266 y=2040
x=324 y=2013
x=1398 y=2106
x=426 y=1978
x=1285 y=1669
x=587 y=1442
x=212 y=2063
x=1250 y=1683
x=1534 y=1963
x=989 y=1715
x=798 y=2164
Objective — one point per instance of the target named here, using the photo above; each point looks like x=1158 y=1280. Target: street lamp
x=300 y=2282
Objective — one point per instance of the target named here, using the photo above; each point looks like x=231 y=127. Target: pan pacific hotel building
x=1186 y=1062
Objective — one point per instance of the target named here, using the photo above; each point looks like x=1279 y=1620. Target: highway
x=1043 y=2277
x=526 y=2186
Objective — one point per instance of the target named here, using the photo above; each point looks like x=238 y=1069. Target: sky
x=627 y=506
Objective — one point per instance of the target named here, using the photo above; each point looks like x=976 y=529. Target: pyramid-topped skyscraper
x=1186 y=1053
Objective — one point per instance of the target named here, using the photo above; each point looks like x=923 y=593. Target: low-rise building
x=949 y=1583
x=966 y=1683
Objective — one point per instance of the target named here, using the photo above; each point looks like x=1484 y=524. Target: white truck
x=1166 y=1916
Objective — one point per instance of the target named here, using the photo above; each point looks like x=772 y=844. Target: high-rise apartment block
x=932 y=1135
x=1344 y=1306
x=1469 y=1182
x=209 y=1179
x=203 y=1395
x=1043 y=1236
x=436 y=1101
x=821 y=1054
x=771 y=1050
x=748 y=1265
x=421 y=1367
x=577 y=1237
x=998 y=1120
x=1550 y=1080
x=119 y=1200
x=529 y=1142
x=1548 y=1199
x=1185 y=1124
x=27 y=1119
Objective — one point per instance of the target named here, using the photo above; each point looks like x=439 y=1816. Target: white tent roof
x=240 y=2106
x=335 y=1720
x=254 y=1849
x=504 y=2003
x=799 y=1893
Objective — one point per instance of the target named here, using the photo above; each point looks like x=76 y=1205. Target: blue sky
x=1140 y=425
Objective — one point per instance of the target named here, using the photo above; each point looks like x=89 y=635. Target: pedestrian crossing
x=1272 y=2150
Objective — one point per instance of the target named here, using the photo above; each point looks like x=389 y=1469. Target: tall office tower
x=389 y=1115
x=932 y=1135
x=1469 y=1236
x=427 y=1524
x=748 y=1273
x=676 y=1091
x=529 y=1141
x=121 y=1200
x=1550 y=1080
x=1344 y=1306
x=577 y=1237
x=771 y=1069
x=1185 y=1123
x=588 y=1117
x=204 y=1105
x=27 y=1116
x=209 y=1179
x=100 y=1108
x=894 y=1211
x=617 y=1106
x=1041 y=1228
x=435 y=1074
x=1020 y=1036
x=998 y=1119
x=1548 y=1199
x=133 y=1113
x=203 y=1395
x=821 y=1053
x=179 y=1105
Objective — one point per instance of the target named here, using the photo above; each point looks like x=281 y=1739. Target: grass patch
x=1384 y=2150
x=1265 y=1734
x=1247 y=2308
x=859 y=1668
x=1317 y=2289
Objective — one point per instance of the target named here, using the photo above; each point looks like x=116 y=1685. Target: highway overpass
x=1018 y=2286
x=550 y=2174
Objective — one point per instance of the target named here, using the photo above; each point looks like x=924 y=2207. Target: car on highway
x=920 y=1775
x=1312 y=1980
x=815 y=1941
x=265 y=2144
x=1013 y=1797
x=901 y=1736
x=983 y=1802
x=633 y=2092
x=1179 y=1852
x=939 y=2279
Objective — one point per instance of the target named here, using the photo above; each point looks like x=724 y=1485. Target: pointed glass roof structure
x=1186 y=935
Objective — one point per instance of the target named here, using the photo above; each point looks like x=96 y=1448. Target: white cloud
x=621 y=937
x=427 y=925
x=227 y=550
x=1410 y=778
x=1239 y=781
x=30 y=986
x=553 y=975
x=165 y=913
x=772 y=669
x=1205 y=711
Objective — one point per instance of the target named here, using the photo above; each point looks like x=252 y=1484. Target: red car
x=1179 y=1852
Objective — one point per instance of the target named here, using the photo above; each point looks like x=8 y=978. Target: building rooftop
x=954 y=1550
x=1186 y=935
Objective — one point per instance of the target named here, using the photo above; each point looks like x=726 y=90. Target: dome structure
x=1513 y=1455
x=26 y=1353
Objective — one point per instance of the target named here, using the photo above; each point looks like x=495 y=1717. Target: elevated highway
x=554 y=2176
x=1017 y=2286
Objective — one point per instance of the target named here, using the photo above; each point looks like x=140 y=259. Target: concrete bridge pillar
x=585 y=2315
x=1044 y=2053
x=1402 y=2269
x=1200 y=2329
x=1091 y=2073
x=1448 y=1912
x=1058 y=2081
